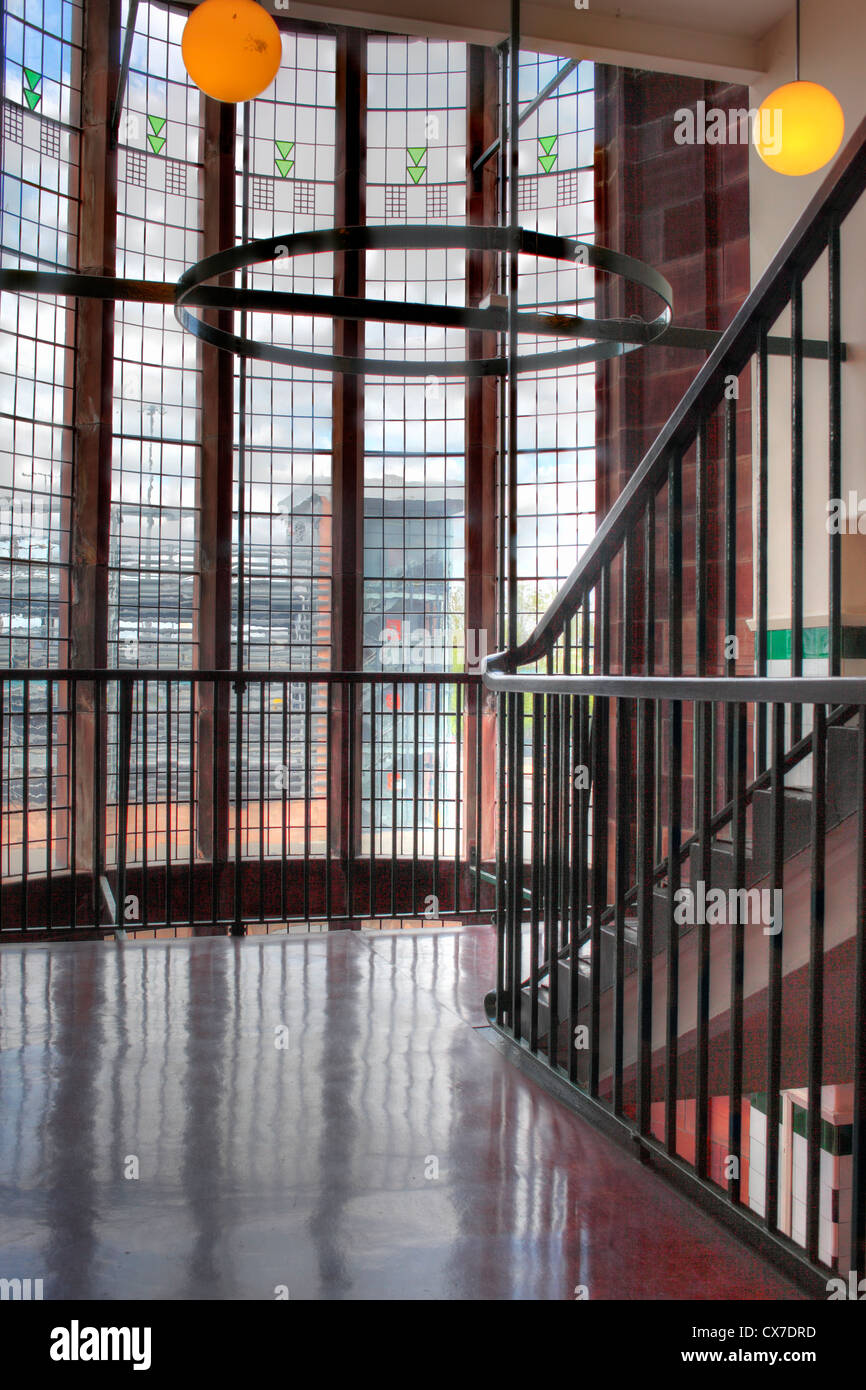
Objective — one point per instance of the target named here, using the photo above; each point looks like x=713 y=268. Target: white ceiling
x=720 y=39
x=749 y=19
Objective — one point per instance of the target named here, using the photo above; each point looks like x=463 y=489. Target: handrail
x=160 y=673
x=743 y=690
x=799 y=252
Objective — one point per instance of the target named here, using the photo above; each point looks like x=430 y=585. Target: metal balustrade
x=183 y=802
x=682 y=829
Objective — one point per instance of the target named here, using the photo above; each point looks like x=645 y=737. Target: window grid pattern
x=38 y=229
x=414 y=508
x=153 y=555
x=437 y=201
x=262 y=193
x=556 y=410
x=13 y=123
x=287 y=459
x=304 y=191
x=395 y=202
x=527 y=193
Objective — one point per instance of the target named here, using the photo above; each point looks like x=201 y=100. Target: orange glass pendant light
x=800 y=126
x=231 y=49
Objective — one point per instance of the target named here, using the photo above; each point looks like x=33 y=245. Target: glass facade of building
x=281 y=584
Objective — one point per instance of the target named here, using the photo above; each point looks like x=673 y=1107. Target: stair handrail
x=799 y=252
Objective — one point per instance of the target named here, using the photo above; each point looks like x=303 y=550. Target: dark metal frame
x=511 y=241
x=616 y=908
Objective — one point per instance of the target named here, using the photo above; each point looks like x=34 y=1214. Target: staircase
x=682 y=931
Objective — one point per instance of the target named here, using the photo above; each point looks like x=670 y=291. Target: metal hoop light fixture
x=605 y=333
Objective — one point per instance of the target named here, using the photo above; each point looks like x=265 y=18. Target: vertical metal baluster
x=192 y=777
x=675 y=810
x=436 y=738
x=796 y=495
x=730 y=578
x=168 y=744
x=623 y=828
x=217 y=697
x=501 y=906
x=675 y=793
x=701 y=594
x=599 y=741
x=307 y=811
x=519 y=789
x=262 y=803
x=580 y=795
x=372 y=868
x=858 y=1160
x=350 y=839
x=535 y=865
x=25 y=807
x=397 y=704
x=816 y=978
x=145 y=771
x=3 y=820
x=566 y=845
x=124 y=747
x=705 y=723
x=774 y=984
x=417 y=786
x=834 y=363
x=566 y=852
x=649 y=639
x=763 y=523
x=479 y=706
x=72 y=797
x=49 y=801
x=737 y=929
x=554 y=795
x=328 y=781
x=510 y=801
x=100 y=811
x=284 y=803
x=645 y=907
x=458 y=720
x=548 y=819
x=240 y=691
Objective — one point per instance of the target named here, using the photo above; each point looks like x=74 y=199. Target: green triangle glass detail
x=416 y=174
x=156 y=142
x=156 y=123
x=547 y=142
x=32 y=78
x=33 y=99
x=416 y=154
x=284 y=147
x=284 y=165
x=547 y=162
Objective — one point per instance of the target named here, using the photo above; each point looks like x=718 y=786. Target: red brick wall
x=683 y=209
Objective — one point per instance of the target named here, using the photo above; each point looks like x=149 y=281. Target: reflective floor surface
x=321 y=1116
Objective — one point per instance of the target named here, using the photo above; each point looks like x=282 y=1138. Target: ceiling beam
x=571 y=33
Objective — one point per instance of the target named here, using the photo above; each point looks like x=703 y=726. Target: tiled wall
x=834 y=1219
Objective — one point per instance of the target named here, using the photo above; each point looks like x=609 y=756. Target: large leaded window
x=279 y=614
x=41 y=82
x=556 y=425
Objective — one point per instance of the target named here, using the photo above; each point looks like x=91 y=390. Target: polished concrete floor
x=326 y=1116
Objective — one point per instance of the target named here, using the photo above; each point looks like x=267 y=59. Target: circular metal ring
x=605 y=333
